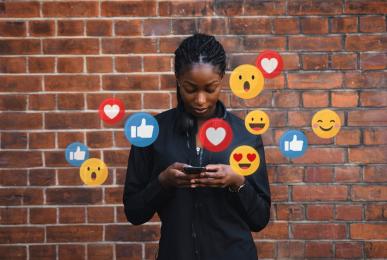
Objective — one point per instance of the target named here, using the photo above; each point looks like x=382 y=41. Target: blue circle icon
x=76 y=153
x=293 y=144
x=141 y=129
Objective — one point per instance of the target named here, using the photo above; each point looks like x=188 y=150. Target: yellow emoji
x=93 y=172
x=246 y=81
x=244 y=160
x=257 y=122
x=326 y=123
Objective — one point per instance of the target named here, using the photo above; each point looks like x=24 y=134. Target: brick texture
x=60 y=59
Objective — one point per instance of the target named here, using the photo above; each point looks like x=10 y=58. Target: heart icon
x=251 y=157
x=269 y=65
x=215 y=136
x=237 y=156
x=111 y=111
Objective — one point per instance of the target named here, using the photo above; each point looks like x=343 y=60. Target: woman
x=205 y=216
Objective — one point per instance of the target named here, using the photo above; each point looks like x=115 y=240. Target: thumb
x=78 y=149
x=294 y=138
x=143 y=122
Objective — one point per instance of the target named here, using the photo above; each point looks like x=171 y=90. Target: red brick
x=320 y=193
x=132 y=233
x=99 y=139
x=70 y=101
x=372 y=24
x=344 y=98
x=13 y=235
x=12 y=64
x=319 y=174
x=279 y=192
x=311 y=231
x=373 y=98
x=157 y=63
x=290 y=249
x=344 y=61
x=19 y=46
x=70 y=46
x=128 y=64
x=128 y=8
x=116 y=157
x=315 y=99
x=65 y=138
x=315 y=43
x=42 y=28
x=246 y=26
x=376 y=212
x=318 y=249
x=13 y=216
x=71 y=251
x=64 y=196
x=20 y=9
x=365 y=42
x=20 y=83
x=375 y=249
x=79 y=233
x=157 y=27
x=132 y=45
x=70 y=215
x=289 y=174
x=129 y=251
x=274 y=230
x=375 y=173
x=368 y=155
x=372 y=79
x=319 y=212
x=286 y=99
x=99 y=28
x=71 y=28
x=187 y=25
x=14 y=140
x=20 y=159
x=42 y=177
x=290 y=212
x=315 y=61
x=100 y=214
x=43 y=215
x=130 y=82
x=347 y=174
x=314 y=25
x=286 y=26
x=66 y=83
x=41 y=64
x=344 y=24
x=349 y=250
x=265 y=249
x=13 y=29
x=70 y=65
x=42 y=252
x=70 y=9
x=312 y=80
x=264 y=100
x=100 y=251
x=21 y=196
x=369 y=193
x=349 y=212
x=99 y=64
x=367 y=118
x=13 y=102
x=368 y=231
x=260 y=43
x=373 y=61
x=366 y=7
x=252 y=7
x=72 y=120
x=42 y=102
x=13 y=177
x=128 y=28
x=314 y=7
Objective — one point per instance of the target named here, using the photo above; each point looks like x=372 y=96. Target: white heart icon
x=269 y=65
x=215 y=136
x=111 y=111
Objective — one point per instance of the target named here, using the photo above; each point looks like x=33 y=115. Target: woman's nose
x=200 y=98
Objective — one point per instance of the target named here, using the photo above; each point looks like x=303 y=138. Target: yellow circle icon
x=326 y=123
x=93 y=172
x=244 y=160
x=257 y=122
x=246 y=81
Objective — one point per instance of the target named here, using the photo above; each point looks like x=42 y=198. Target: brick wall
x=60 y=59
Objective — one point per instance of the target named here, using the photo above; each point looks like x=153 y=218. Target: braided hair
x=198 y=48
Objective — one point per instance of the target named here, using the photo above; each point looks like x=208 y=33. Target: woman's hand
x=223 y=177
x=174 y=176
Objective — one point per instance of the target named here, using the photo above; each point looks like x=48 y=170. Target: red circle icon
x=270 y=63
x=215 y=135
x=111 y=110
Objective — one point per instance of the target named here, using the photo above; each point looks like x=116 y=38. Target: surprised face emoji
x=246 y=81
x=244 y=160
x=93 y=172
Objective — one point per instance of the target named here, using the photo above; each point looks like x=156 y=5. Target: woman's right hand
x=174 y=176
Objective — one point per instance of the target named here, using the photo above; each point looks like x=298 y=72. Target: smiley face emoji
x=246 y=81
x=257 y=122
x=93 y=172
x=326 y=123
x=244 y=160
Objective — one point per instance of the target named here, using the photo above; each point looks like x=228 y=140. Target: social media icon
x=215 y=134
x=76 y=153
x=93 y=171
x=244 y=160
x=111 y=110
x=326 y=123
x=141 y=129
x=257 y=122
x=246 y=81
x=270 y=63
x=293 y=144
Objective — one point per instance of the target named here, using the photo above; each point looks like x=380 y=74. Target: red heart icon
x=251 y=156
x=237 y=156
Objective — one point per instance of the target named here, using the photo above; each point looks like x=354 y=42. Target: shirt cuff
x=156 y=195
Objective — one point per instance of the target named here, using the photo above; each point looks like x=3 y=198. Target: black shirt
x=197 y=223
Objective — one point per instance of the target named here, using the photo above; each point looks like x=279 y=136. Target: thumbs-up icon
x=76 y=153
x=141 y=129
x=293 y=143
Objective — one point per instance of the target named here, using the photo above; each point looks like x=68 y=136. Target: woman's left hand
x=223 y=176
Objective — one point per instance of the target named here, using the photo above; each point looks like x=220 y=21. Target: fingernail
x=193 y=186
x=193 y=181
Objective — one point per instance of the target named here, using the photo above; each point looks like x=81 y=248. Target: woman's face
x=200 y=89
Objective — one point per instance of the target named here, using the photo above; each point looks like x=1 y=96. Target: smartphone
x=196 y=170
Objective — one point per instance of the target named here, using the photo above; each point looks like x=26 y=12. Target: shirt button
x=196 y=252
x=193 y=234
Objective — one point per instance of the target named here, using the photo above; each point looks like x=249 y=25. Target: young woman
x=207 y=216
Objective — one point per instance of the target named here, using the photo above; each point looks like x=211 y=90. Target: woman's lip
x=200 y=111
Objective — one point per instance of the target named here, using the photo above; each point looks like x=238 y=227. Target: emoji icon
x=76 y=153
x=270 y=63
x=111 y=110
x=141 y=129
x=244 y=160
x=93 y=172
x=326 y=123
x=246 y=81
x=215 y=134
x=257 y=122
x=293 y=143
